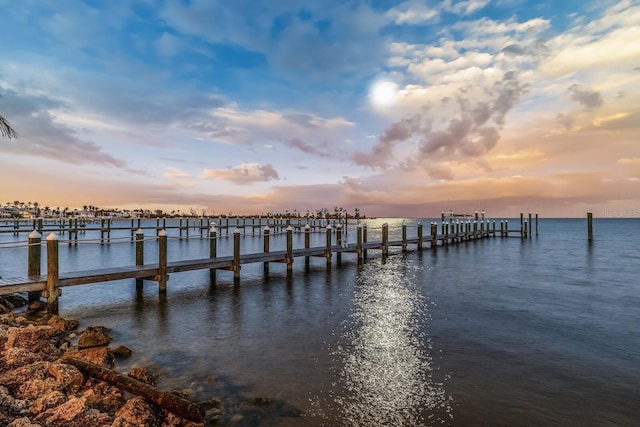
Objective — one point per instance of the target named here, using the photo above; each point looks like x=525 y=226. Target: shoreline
x=40 y=386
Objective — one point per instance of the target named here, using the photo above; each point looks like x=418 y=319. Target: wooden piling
x=236 y=253
x=266 y=246
x=385 y=239
x=162 y=262
x=419 y=236
x=590 y=226
x=139 y=254
x=530 y=224
x=289 y=258
x=537 y=230
x=53 y=273
x=35 y=259
x=328 y=255
x=404 y=236
x=213 y=251
x=307 y=242
x=340 y=243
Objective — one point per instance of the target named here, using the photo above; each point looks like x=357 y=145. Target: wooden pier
x=50 y=286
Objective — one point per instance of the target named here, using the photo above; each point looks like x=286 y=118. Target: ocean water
x=497 y=332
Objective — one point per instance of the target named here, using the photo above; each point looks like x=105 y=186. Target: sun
x=383 y=93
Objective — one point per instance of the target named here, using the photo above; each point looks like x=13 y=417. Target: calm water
x=494 y=332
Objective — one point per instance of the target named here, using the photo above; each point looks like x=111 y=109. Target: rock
x=32 y=389
x=37 y=306
x=32 y=338
x=4 y=309
x=236 y=418
x=122 y=351
x=6 y=304
x=136 y=412
x=15 y=357
x=261 y=401
x=104 y=397
x=16 y=300
x=94 y=336
x=68 y=378
x=74 y=413
x=46 y=402
x=21 y=320
x=100 y=356
x=142 y=374
x=22 y=422
x=14 y=378
x=60 y=324
x=212 y=414
x=10 y=404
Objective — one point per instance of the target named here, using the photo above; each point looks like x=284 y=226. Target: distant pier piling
x=590 y=226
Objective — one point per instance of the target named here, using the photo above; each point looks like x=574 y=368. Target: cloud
x=590 y=99
x=472 y=133
x=42 y=136
x=244 y=173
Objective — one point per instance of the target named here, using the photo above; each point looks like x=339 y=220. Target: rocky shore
x=39 y=387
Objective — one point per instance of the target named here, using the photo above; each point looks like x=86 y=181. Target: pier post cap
x=139 y=231
x=266 y=228
x=419 y=223
x=213 y=228
x=52 y=237
x=289 y=228
x=35 y=235
x=307 y=227
x=162 y=233
x=329 y=227
x=403 y=222
x=339 y=226
x=236 y=230
x=360 y=225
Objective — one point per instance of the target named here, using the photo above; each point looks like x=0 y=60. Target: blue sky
x=397 y=108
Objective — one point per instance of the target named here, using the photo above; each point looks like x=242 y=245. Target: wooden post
x=307 y=242
x=537 y=231
x=101 y=231
x=530 y=225
x=139 y=254
x=419 y=236
x=404 y=236
x=35 y=259
x=162 y=261
x=180 y=227
x=445 y=229
x=328 y=245
x=213 y=251
x=133 y=231
x=524 y=229
x=506 y=228
x=364 y=240
x=359 y=241
x=340 y=243
x=236 y=253
x=434 y=234
x=53 y=272
x=385 y=239
x=187 y=228
x=501 y=228
x=590 y=226
x=266 y=246
x=289 y=248
x=475 y=229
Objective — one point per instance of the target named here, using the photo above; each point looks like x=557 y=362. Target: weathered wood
x=139 y=255
x=162 y=261
x=52 y=273
x=35 y=258
x=590 y=225
x=165 y=400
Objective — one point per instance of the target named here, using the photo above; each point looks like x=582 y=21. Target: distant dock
x=49 y=286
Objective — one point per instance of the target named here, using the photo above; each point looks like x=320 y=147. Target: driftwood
x=169 y=401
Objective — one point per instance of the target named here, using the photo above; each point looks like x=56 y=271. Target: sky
x=397 y=108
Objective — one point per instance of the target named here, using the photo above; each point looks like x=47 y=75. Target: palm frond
x=6 y=129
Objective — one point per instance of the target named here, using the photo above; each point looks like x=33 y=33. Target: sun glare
x=383 y=93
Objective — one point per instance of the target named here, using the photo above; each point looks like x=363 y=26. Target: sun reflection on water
x=385 y=374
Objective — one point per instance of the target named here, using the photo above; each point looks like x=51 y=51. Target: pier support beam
x=236 y=253
x=404 y=236
x=385 y=239
x=53 y=273
x=328 y=255
x=590 y=226
x=35 y=259
x=359 y=241
x=419 y=236
x=340 y=243
x=139 y=254
x=289 y=259
x=307 y=243
x=266 y=247
x=213 y=251
x=162 y=262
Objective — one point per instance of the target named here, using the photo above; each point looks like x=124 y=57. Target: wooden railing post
x=266 y=246
x=236 y=253
x=445 y=228
x=35 y=260
x=404 y=236
x=340 y=243
x=289 y=248
x=328 y=245
x=162 y=261
x=53 y=273
x=419 y=236
x=364 y=240
x=385 y=239
x=139 y=254
x=434 y=235
x=307 y=243
x=213 y=251
x=359 y=241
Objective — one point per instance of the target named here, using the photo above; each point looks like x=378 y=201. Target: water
x=493 y=332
